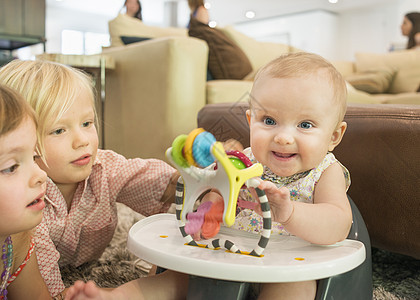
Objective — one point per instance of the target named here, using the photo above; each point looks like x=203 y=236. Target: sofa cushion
x=373 y=82
x=405 y=63
x=124 y=25
x=259 y=53
x=222 y=91
x=226 y=59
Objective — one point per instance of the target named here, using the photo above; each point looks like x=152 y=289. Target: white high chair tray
x=157 y=239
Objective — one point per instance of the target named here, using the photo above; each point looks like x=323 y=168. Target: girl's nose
x=39 y=176
x=80 y=139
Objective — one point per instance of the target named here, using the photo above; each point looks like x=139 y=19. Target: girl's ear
x=337 y=135
x=248 y=116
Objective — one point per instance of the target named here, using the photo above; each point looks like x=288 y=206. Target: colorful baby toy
x=204 y=165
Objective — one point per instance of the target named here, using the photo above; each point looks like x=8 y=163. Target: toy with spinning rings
x=203 y=165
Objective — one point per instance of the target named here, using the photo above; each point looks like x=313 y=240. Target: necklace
x=7 y=256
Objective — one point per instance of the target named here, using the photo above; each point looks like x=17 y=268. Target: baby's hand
x=85 y=291
x=280 y=204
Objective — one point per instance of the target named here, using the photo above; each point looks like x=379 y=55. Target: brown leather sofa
x=381 y=149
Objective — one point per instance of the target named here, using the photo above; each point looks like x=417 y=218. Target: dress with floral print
x=301 y=187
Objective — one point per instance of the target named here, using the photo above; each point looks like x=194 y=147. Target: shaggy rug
x=395 y=277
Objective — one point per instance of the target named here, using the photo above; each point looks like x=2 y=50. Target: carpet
x=395 y=276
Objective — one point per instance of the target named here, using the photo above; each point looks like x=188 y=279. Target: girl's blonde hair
x=13 y=110
x=303 y=64
x=50 y=88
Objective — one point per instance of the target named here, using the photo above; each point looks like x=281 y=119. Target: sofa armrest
x=154 y=94
x=380 y=149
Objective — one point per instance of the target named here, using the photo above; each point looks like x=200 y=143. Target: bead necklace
x=7 y=256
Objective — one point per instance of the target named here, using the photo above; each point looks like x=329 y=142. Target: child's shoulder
x=108 y=156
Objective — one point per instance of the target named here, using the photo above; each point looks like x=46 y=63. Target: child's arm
x=327 y=221
x=167 y=285
x=169 y=194
x=233 y=145
x=29 y=283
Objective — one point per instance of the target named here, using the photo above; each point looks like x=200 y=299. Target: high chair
x=355 y=284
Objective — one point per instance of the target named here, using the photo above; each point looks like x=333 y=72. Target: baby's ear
x=337 y=135
x=248 y=116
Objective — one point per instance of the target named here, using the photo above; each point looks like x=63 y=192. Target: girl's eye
x=11 y=169
x=87 y=123
x=305 y=125
x=36 y=156
x=57 y=131
x=269 y=121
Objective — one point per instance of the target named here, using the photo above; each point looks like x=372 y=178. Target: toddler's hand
x=84 y=291
x=280 y=204
x=233 y=145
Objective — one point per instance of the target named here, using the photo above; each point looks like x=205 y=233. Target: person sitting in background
x=411 y=28
x=133 y=9
x=198 y=11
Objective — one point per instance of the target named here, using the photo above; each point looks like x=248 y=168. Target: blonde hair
x=303 y=64
x=50 y=88
x=13 y=110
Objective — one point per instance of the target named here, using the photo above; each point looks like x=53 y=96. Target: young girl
x=22 y=189
x=410 y=27
x=198 y=11
x=84 y=183
x=297 y=106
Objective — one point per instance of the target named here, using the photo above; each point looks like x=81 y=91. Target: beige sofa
x=159 y=85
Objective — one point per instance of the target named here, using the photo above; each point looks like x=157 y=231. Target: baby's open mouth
x=284 y=155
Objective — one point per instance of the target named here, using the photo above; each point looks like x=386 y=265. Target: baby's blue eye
x=269 y=121
x=305 y=125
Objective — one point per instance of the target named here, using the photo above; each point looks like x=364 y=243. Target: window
x=78 y=42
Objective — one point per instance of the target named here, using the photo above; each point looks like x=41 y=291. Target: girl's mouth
x=37 y=204
x=36 y=201
x=83 y=160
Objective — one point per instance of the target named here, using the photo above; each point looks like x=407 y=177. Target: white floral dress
x=301 y=188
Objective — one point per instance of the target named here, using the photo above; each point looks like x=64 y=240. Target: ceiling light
x=333 y=1
x=250 y=14
x=212 y=24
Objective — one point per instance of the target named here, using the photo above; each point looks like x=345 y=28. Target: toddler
x=297 y=106
x=22 y=190
x=84 y=182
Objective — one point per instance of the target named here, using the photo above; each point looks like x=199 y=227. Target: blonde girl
x=84 y=182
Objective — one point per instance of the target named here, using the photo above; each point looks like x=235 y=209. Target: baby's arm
x=327 y=221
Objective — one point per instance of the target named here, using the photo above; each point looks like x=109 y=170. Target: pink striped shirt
x=82 y=233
